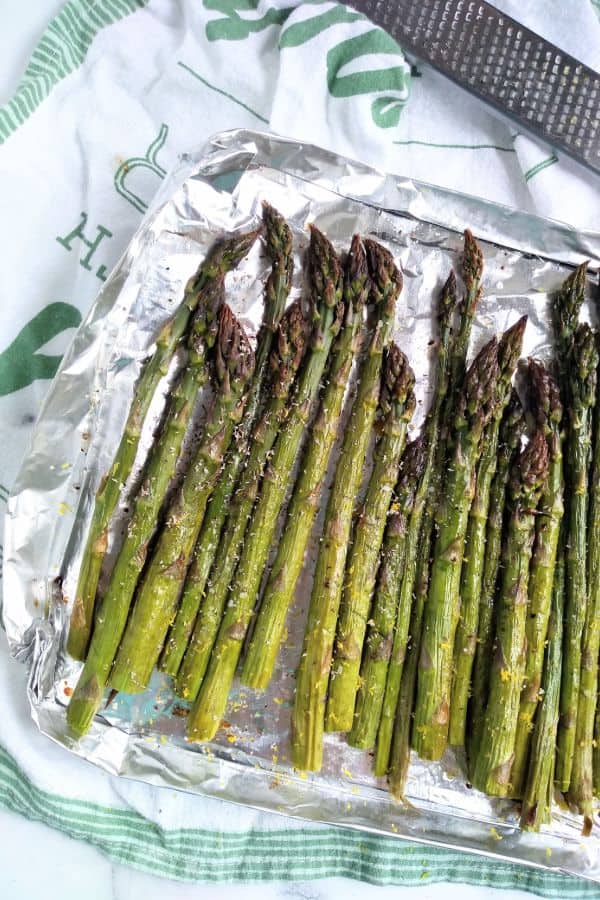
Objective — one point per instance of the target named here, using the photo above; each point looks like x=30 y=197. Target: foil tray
x=213 y=190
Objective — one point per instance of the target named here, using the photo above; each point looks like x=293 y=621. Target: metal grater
x=541 y=88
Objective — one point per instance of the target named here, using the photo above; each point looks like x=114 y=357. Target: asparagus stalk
x=548 y=413
x=382 y=623
x=472 y=266
x=278 y=242
x=537 y=794
x=512 y=427
x=114 y=607
x=223 y=257
x=313 y=671
x=509 y=350
x=475 y=406
x=416 y=564
x=158 y=472
x=596 y=752
x=396 y=407
x=393 y=752
x=493 y=767
x=581 y=396
x=304 y=504
x=161 y=584
x=566 y=309
x=209 y=706
x=285 y=360
x=581 y=786
x=472 y=271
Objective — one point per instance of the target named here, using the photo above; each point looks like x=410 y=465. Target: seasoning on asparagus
x=156 y=600
x=304 y=504
x=396 y=407
x=566 y=309
x=581 y=786
x=493 y=768
x=539 y=784
x=509 y=350
x=512 y=428
x=548 y=414
x=113 y=611
x=474 y=408
x=328 y=314
x=278 y=242
x=286 y=357
x=418 y=541
x=472 y=271
x=223 y=257
x=392 y=757
x=382 y=621
x=580 y=400
x=313 y=671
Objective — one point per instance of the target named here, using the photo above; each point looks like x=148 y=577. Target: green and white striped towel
x=114 y=91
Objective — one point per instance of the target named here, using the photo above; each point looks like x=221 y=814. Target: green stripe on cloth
x=455 y=146
x=223 y=93
x=60 y=51
x=197 y=855
x=539 y=167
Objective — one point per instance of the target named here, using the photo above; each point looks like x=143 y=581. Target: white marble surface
x=37 y=861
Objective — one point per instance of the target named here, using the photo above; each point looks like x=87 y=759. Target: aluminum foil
x=217 y=189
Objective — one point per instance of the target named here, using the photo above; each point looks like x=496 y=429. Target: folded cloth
x=114 y=91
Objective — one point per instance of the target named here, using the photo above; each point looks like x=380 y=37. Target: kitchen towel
x=114 y=91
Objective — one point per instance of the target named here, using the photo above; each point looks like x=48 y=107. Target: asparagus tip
x=545 y=394
x=233 y=355
x=397 y=385
x=472 y=263
x=325 y=268
x=386 y=277
x=278 y=235
x=448 y=299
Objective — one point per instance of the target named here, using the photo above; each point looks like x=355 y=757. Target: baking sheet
x=217 y=189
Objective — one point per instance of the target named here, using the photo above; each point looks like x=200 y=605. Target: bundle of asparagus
x=451 y=602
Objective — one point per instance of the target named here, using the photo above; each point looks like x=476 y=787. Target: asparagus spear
x=313 y=671
x=509 y=350
x=158 y=472
x=285 y=360
x=416 y=566
x=596 y=752
x=472 y=266
x=475 y=405
x=493 y=767
x=472 y=270
x=396 y=407
x=537 y=795
x=548 y=413
x=328 y=311
x=304 y=504
x=581 y=786
x=114 y=608
x=278 y=241
x=581 y=395
x=161 y=584
x=512 y=427
x=393 y=752
x=382 y=623
x=458 y=344
x=223 y=257
x=566 y=309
